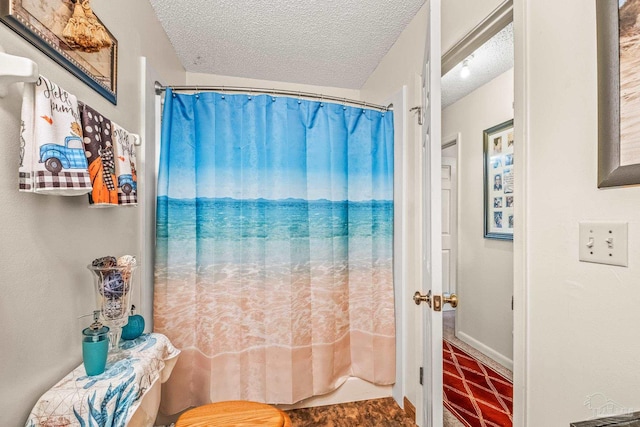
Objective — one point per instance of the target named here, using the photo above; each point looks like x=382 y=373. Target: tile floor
x=367 y=413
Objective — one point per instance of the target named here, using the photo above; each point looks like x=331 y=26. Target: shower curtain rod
x=256 y=90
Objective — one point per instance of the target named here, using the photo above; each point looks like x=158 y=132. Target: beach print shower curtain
x=274 y=247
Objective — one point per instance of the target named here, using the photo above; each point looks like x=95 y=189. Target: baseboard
x=409 y=409
x=486 y=350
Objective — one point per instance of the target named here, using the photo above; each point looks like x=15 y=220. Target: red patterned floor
x=476 y=394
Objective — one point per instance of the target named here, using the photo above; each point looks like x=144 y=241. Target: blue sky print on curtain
x=274 y=246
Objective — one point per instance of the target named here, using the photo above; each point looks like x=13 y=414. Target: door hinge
x=421 y=374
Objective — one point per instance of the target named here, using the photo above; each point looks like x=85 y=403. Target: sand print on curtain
x=274 y=247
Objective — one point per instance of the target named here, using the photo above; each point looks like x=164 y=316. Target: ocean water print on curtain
x=274 y=247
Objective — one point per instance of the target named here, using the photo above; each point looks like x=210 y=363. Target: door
x=432 y=221
x=449 y=223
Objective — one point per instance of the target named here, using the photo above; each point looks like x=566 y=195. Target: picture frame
x=41 y=22
x=498 y=181
x=618 y=87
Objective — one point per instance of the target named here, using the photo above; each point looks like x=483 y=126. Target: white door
x=432 y=221
x=449 y=224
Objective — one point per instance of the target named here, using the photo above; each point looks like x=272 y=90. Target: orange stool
x=234 y=413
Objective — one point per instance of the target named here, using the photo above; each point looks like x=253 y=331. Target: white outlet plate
x=604 y=243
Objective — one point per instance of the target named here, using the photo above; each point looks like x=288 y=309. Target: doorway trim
x=521 y=370
x=512 y=11
x=489 y=27
x=402 y=291
x=451 y=141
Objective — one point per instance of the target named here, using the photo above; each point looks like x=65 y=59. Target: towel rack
x=15 y=69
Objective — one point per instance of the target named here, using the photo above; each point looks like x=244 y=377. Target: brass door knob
x=451 y=299
x=418 y=298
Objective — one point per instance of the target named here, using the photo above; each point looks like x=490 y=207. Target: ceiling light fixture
x=465 y=72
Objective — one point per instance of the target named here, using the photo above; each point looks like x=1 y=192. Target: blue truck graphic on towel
x=68 y=156
x=127 y=183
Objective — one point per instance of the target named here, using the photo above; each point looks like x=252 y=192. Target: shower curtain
x=274 y=247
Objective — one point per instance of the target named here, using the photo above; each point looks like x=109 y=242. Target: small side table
x=128 y=389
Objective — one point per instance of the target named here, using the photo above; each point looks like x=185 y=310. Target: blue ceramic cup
x=95 y=346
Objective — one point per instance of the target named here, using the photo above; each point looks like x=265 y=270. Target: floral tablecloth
x=111 y=398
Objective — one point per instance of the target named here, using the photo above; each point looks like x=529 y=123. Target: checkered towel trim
x=25 y=181
x=108 y=168
x=127 y=199
x=62 y=180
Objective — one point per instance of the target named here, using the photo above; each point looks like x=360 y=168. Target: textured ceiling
x=322 y=42
x=488 y=62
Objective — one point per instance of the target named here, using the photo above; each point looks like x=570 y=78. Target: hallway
x=448 y=332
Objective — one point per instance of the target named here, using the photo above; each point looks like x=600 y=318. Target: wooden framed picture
x=498 y=181
x=42 y=22
x=618 y=92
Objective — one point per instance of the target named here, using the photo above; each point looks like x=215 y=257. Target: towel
x=52 y=158
x=126 y=179
x=98 y=144
x=121 y=395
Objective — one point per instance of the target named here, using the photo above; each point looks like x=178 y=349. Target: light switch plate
x=604 y=243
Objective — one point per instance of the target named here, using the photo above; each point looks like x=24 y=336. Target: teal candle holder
x=95 y=346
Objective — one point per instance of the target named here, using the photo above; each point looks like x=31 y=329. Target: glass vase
x=113 y=288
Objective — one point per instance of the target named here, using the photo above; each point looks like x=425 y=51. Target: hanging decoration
x=83 y=31
x=87 y=49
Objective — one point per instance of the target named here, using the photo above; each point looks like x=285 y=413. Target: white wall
x=485 y=266
x=582 y=318
x=46 y=241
